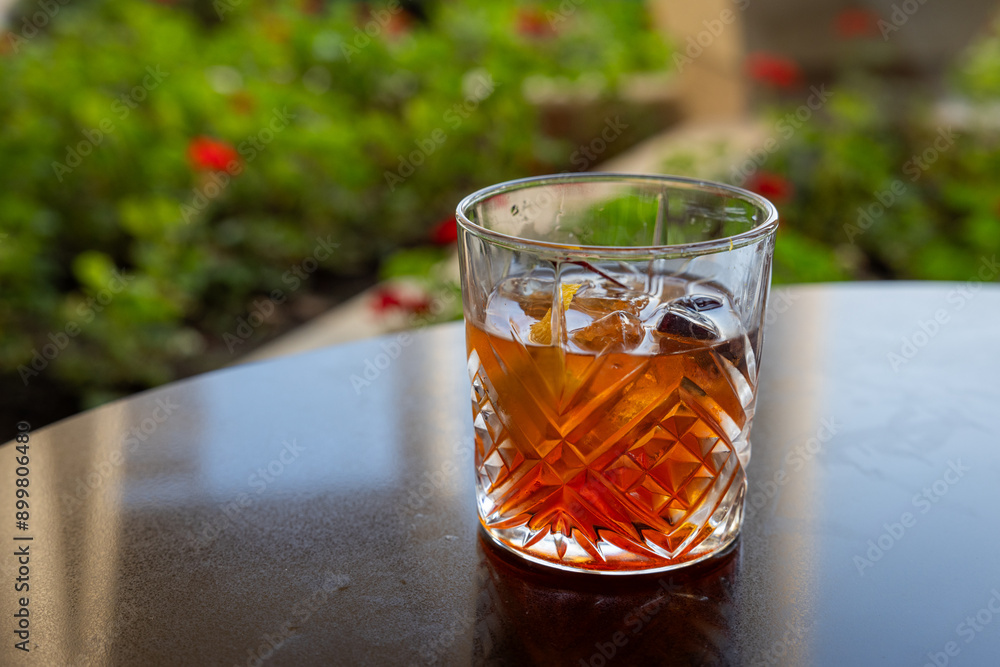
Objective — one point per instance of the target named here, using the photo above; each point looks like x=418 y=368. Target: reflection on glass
x=780 y=544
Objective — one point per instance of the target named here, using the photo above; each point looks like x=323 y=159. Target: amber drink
x=612 y=394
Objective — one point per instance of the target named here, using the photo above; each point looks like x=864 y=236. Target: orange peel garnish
x=541 y=331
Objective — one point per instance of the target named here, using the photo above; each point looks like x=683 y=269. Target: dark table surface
x=301 y=511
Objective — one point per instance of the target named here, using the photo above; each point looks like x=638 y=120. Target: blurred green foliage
x=358 y=124
x=979 y=76
x=884 y=191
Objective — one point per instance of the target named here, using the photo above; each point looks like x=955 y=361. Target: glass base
x=555 y=550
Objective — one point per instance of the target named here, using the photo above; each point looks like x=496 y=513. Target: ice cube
x=699 y=302
x=681 y=319
x=619 y=331
x=533 y=295
x=598 y=300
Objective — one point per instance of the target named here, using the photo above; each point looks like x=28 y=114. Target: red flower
x=855 y=23
x=385 y=299
x=389 y=298
x=391 y=24
x=768 y=184
x=418 y=305
x=211 y=154
x=773 y=70
x=446 y=232
x=531 y=22
x=398 y=25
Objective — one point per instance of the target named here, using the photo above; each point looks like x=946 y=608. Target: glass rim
x=762 y=229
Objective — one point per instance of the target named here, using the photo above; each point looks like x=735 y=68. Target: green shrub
x=888 y=193
x=363 y=140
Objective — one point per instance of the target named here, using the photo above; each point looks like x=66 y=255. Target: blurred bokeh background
x=190 y=184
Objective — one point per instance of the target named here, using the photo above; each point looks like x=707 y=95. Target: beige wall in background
x=5 y=6
x=708 y=38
